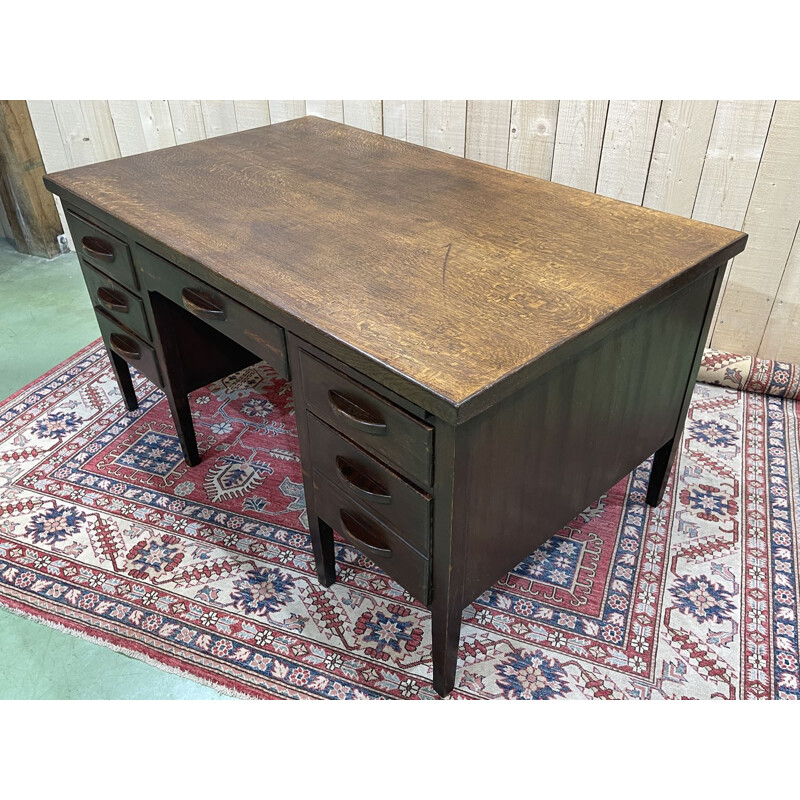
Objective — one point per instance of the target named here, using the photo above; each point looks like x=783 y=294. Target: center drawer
x=382 y=491
x=260 y=336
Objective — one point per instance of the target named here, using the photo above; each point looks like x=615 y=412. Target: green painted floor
x=45 y=317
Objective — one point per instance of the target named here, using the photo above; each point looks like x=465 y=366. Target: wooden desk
x=476 y=355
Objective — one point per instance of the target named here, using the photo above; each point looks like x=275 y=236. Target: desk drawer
x=261 y=337
x=370 y=420
x=119 y=303
x=366 y=480
x=102 y=250
x=374 y=539
x=137 y=353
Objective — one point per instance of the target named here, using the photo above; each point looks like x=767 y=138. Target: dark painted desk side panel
x=543 y=455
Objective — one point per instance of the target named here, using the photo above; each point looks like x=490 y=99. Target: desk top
x=453 y=274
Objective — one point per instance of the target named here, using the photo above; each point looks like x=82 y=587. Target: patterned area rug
x=105 y=532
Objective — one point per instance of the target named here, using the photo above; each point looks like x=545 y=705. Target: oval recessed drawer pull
x=124 y=346
x=364 y=537
x=98 y=248
x=360 y=483
x=353 y=414
x=202 y=305
x=113 y=301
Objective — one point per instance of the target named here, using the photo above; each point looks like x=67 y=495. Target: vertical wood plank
x=141 y=125
x=328 y=109
x=782 y=337
x=532 y=137
x=365 y=114
x=684 y=130
x=100 y=125
x=731 y=162
x=729 y=170
x=487 y=131
x=579 y=142
x=773 y=215
x=282 y=110
x=394 y=119
x=187 y=120
x=415 y=121
x=219 y=117
x=627 y=148
x=445 y=125
x=87 y=131
x=251 y=114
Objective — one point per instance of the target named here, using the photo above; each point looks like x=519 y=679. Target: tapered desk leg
x=446 y=636
x=182 y=417
x=122 y=373
x=663 y=460
x=449 y=548
x=322 y=545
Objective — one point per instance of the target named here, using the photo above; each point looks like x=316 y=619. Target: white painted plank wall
x=684 y=130
x=532 y=138
x=487 y=132
x=729 y=172
x=328 y=109
x=579 y=142
x=773 y=215
x=251 y=114
x=727 y=162
x=627 y=147
x=445 y=125
x=187 y=120
x=366 y=114
x=782 y=334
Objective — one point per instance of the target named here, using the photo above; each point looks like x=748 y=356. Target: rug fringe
x=19 y=611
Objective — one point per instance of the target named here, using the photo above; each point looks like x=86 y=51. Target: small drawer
x=102 y=250
x=137 y=353
x=373 y=538
x=366 y=480
x=368 y=419
x=119 y=303
x=261 y=337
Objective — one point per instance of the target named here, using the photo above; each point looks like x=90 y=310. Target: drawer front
x=261 y=337
x=137 y=353
x=368 y=419
x=366 y=480
x=373 y=538
x=116 y=301
x=102 y=250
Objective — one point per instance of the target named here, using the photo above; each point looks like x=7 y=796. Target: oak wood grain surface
x=452 y=273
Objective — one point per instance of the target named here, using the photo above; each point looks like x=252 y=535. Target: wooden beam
x=30 y=208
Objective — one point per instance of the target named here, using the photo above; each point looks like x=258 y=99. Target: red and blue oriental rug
x=105 y=532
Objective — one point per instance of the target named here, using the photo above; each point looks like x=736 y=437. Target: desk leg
x=449 y=548
x=663 y=460
x=322 y=545
x=122 y=373
x=182 y=417
x=665 y=455
x=446 y=637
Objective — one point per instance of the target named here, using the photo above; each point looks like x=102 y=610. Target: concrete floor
x=45 y=317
